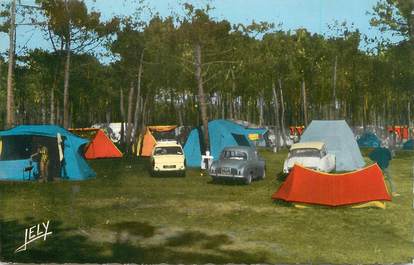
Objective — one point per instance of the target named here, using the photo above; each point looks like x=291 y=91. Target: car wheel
x=183 y=173
x=153 y=173
x=248 y=179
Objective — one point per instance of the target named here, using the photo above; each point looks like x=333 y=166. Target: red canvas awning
x=304 y=185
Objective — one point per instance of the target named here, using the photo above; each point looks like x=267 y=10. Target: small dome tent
x=369 y=139
x=304 y=185
x=100 y=146
x=409 y=145
x=339 y=140
x=148 y=140
x=222 y=133
x=19 y=143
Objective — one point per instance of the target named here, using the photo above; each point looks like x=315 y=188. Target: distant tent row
x=306 y=186
x=369 y=139
x=339 y=140
x=100 y=146
x=20 y=143
x=222 y=133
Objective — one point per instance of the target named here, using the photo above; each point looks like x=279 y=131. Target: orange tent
x=147 y=141
x=308 y=186
x=100 y=146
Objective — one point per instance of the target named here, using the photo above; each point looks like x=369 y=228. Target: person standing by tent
x=382 y=156
x=43 y=161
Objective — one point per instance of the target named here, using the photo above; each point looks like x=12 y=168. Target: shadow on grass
x=167 y=175
x=282 y=203
x=228 y=182
x=67 y=245
x=134 y=228
x=281 y=176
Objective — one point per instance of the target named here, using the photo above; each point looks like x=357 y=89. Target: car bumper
x=168 y=170
x=287 y=170
x=226 y=176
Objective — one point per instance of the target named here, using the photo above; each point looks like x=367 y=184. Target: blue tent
x=222 y=133
x=18 y=144
x=409 y=145
x=339 y=141
x=369 y=139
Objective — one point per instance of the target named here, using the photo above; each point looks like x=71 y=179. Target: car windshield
x=168 y=150
x=234 y=155
x=305 y=152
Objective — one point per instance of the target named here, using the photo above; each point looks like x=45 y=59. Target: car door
x=261 y=166
x=256 y=164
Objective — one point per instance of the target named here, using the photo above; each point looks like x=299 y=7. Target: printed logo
x=34 y=233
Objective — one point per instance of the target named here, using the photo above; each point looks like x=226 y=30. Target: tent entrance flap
x=22 y=147
x=241 y=139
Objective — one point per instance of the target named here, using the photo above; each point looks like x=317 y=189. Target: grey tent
x=339 y=140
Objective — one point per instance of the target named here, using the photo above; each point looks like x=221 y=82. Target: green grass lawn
x=124 y=215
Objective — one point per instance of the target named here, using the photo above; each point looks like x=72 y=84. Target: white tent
x=113 y=130
x=339 y=141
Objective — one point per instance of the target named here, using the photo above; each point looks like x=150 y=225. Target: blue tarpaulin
x=339 y=141
x=73 y=167
x=222 y=133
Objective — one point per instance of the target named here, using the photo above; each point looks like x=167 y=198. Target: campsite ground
x=124 y=215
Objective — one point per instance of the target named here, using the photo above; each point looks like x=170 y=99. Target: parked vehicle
x=312 y=155
x=238 y=162
x=167 y=157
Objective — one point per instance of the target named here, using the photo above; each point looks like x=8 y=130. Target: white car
x=312 y=155
x=167 y=157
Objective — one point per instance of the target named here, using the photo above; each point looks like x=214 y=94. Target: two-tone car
x=238 y=162
x=168 y=157
x=311 y=155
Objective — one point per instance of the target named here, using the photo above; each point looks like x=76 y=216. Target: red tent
x=100 y=146
x=304 y=185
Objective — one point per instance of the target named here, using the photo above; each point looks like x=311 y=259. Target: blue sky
x=314 y=15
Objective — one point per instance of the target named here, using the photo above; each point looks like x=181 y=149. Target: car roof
x=239 y=148
x=313 y=145
x=167 y=143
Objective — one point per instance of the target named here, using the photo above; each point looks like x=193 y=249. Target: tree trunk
x=121 y=104
x=282 y=117
x=58 y=112
x=10 y=119
x=129 y=117
x=144 y=116
x=66 y=87
x=277 y=121
x=409 y=113
x=222 y=102
x=138 y=98
x=43 y=102
x=201 y=96
x=334 y=110
x=52 y=105
x=108 y=113
x=305 y=105
x=261 y=103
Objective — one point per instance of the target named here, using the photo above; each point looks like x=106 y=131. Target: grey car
x=238 y=162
